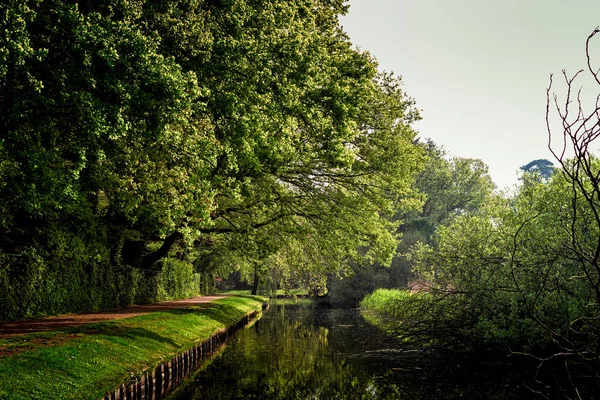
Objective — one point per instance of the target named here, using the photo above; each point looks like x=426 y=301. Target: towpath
x=54 y=323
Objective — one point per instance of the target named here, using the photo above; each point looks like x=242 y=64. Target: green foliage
x=75 y=273
x=231 y=136
x=348 y=291
x=542 y=168
x=310 y=218
x=177 y=280
x=510 y=274
x=415 y=317
x=449 y=187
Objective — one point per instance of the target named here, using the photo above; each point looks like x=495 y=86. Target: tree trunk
x=255 y=283
x=151 y=258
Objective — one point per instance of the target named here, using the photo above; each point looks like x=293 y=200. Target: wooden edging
x=158 y=383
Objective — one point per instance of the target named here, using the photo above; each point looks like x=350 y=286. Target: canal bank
x=90 y=360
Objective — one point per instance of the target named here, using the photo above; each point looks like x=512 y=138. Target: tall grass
x=422 y=318
x=393 y=302
x=407 y=315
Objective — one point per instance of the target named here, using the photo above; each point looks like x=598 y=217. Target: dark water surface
x=307 y=352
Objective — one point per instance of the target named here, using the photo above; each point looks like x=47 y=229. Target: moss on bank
x=87 y=361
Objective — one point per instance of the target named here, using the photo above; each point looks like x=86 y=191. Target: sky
x=479 y=69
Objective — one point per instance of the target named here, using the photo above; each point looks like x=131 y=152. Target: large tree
x=137 y=131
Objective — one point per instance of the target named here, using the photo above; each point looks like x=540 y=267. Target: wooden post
x=146 y=395
x=151 y=387
x=158 y=387
x=138 y=390
x=174 y=370
x=186 y=363
x=179 y=368
x=168 y=377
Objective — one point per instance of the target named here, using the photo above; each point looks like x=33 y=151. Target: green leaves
x=248 y=131
x=518 y=270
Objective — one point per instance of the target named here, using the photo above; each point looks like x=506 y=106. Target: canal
x=301 y=351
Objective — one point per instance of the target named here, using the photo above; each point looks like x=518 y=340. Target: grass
x=392 y=302
x=278 y=293
x=396 y=311
x=236 y=292
x=292 y=292
x=86 y=362
x=419 y=318
x=295 y=301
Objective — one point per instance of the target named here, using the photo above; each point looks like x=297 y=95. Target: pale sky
x=479 y=69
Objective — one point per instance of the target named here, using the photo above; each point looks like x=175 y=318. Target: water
x=306 y=352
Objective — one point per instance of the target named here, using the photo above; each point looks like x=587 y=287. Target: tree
x=139 y=135
x=291 y=136
x=448 y=187
x=101 y=123
x=522 y=275
x=581 y=174
x=333 y=211
x=102 y=151
x=542 y=167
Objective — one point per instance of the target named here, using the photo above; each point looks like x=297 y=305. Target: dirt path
x=15 y=328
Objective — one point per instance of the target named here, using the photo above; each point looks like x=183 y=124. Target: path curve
x=58 y=322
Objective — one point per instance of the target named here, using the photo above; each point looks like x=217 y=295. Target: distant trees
x=449 y=187
x=542 y=167
x=190 y=138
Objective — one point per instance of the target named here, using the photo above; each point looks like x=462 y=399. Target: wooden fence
x=158 y=383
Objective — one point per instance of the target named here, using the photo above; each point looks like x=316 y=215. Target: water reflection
x=303 y=352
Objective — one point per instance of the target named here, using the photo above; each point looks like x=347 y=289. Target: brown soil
x=56 y=323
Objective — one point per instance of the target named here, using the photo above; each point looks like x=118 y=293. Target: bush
x=74 y=273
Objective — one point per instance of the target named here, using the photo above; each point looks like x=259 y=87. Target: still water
x=308 y=352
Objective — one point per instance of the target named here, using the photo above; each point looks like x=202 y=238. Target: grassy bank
x=85 y=362
x=396 y=303
x=292 y=293
x=397 y=311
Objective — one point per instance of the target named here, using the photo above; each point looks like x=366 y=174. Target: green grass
x=392 y=302
x=277 y=293
x=236 y=292
x=295 y=301
x=395 y=311
x=86 y=362
x=292 y=292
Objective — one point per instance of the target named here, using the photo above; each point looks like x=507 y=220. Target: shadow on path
x=62 y=322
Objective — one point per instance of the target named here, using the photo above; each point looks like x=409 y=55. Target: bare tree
x=580 y=345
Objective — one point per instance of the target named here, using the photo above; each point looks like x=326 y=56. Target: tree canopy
x=542 y=167
x=448 y=187
x=142 y=138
